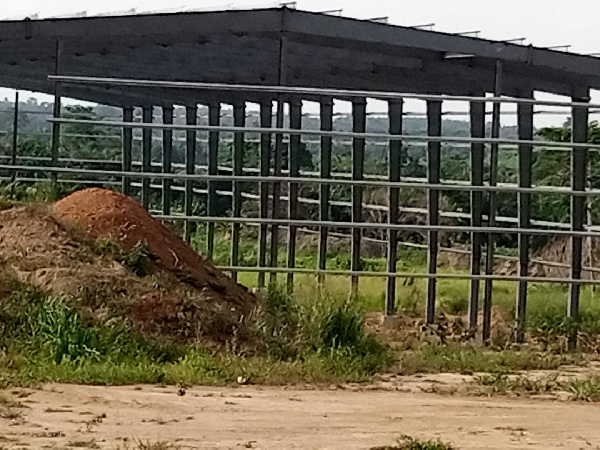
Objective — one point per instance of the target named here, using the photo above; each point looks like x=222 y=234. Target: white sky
x=542 y=22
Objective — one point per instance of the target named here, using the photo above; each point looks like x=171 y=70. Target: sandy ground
x=65 y=416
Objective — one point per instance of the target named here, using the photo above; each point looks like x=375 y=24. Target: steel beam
x=477 y=113
x=434 y=128
x=578 y=206
x=126 y=149
x=167 y=158
x=15 y=136
x=359 y=125
x=239 y=120
x=191 y=113
x=293 y=188
x=266 y=121
x=525 y=130
x=275 y=211
x=146 y=155
x=326 y=115
x=55 y=146
x=214 y=119
x=395 y=164
x=493 y=201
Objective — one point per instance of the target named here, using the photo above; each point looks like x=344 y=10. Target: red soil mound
x=103 y=213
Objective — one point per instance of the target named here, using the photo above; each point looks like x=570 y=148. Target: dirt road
x=64 y=416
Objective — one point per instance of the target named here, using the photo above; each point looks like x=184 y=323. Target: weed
x=137 y=259
x=158 y=445
x=469 y=359
x=411 y=443
x=585 y=389
x=83 y=444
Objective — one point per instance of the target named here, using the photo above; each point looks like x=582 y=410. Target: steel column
x=15 y=137
x=277 y=170
x=578 y=207
x=239 y=119
x=167 y=159
x=525 y=130
x=126 y=149
x=56 y=114
x=293 y=189
x=477 y=113
x=146 y=155
x=489 y=260
x=191 y=118
x=214 y=119
x=359 y=125
x=434 y=128
x=395 y=161
x=266 y=121
x=325 y=189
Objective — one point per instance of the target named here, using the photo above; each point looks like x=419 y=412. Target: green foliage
x=326 y=326
x=455 y=358
x=43 y=338
x=581 y=389
x=137 y=259
x=49 y=330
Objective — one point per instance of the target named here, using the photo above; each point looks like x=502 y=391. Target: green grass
x=45 y=339
x=580 y=389
x=457 y=358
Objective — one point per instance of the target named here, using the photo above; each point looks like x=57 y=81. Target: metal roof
x=278 y=46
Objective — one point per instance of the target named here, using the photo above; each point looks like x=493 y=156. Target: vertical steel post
x=434 y=128
x=266 y=121
x=167 y=159
x=489 y=257
x=191 y=118
x=525 y=130
x=126 y=149
x=359 y=119
x=146 y=155
x=293 y=188
x=277 y=163
x=325 y=189
x=578 y=206
x=56 y=114
x=15 y=137
x=214 y=119
x=239 y=120
x=395 y=110
x=477 y=113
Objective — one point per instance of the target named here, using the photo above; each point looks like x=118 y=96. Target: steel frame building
x=285 y=56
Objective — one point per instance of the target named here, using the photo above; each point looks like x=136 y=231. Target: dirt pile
x=189 y=301
x=102 y=213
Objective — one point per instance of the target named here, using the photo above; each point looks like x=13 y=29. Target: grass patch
x=46 y=339
x=149 y=445
x=469 y=359
x=136 y=259
x=411 y=443
x=582 y=389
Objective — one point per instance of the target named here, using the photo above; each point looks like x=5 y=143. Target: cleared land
x=65 y=416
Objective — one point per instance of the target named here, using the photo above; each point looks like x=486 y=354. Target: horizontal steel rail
x=417 y=275
x=382 y=226
x=300 y=180
x=299 y=91
x=347 y=134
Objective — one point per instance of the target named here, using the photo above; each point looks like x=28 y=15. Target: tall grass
x=44 y=338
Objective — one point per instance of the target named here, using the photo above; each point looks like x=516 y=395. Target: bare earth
x=66 y=416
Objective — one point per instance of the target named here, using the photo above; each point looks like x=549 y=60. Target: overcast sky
x=541 y=22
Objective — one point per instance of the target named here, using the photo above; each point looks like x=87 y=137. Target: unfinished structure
x=279 y=58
